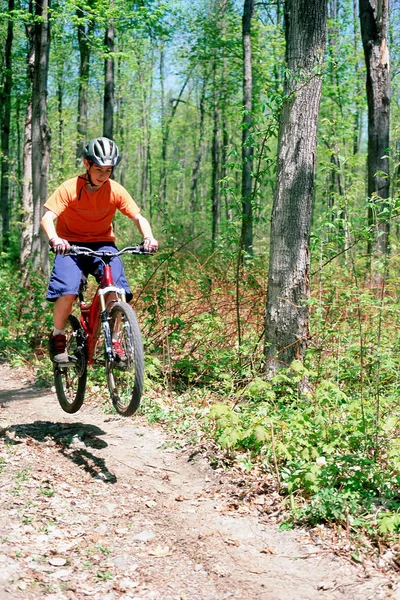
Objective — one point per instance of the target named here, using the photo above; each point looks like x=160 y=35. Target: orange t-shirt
x=87 y=216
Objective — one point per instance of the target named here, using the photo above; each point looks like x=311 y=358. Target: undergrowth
x=333 y=450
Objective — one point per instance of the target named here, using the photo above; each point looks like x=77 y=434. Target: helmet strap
x=88 y=174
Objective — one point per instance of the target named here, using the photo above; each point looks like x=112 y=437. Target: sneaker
x=118 y=351
x=57 y=348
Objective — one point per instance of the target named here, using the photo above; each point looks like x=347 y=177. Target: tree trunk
x=396 y=175
x=165 y=129
x=40 y=133
x=247 y=143
x=60 y=110
x=374 y=25
x=357 y=111
x=164 y=135
x=146 y=98
x=217 y=101
x=109 y=84
x=200 y=150
x=148 y=168
x=225 y=132
x=287 y=313
x=27 y=197
x=84 y=36
x=215 y=160
x=120 y=121
x=5 y=104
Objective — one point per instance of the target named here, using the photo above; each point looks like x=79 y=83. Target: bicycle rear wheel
x=70 y=380
x=125 y=372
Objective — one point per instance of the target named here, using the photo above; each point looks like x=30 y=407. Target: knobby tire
x=70 y=381
x=125 y=377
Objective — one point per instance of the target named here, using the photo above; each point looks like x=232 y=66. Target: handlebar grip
x=81 y=250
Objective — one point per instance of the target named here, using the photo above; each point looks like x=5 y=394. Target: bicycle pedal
x=72 y=360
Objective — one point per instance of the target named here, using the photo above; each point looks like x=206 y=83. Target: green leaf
x=260 y=433
x=389 y=523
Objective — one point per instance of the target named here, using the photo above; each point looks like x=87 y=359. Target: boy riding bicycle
x=83 y=208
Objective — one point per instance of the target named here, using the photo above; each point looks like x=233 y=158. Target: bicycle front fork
x=107 y=335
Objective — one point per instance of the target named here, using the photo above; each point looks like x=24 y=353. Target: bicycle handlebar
x=81 y=250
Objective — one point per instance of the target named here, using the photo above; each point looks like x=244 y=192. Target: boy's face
x=98 y=175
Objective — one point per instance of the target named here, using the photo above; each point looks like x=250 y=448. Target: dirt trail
x=93 y=506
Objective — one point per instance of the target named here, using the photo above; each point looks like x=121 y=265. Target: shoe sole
x=65 y=361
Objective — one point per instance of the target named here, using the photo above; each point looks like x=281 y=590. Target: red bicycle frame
x=91 y=315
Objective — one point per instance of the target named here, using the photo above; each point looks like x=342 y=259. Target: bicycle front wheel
x=70 y=380
x=125 y=371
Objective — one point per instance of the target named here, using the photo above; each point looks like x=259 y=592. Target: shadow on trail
x=72 y=441
x=24 y=393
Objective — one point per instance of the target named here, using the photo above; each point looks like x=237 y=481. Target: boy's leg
x=57 y=341
x=63 y=288
x=62 y=310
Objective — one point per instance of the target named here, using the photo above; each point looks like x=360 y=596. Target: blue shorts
x=70 y=272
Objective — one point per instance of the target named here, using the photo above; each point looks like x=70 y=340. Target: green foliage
x=25 y=318
x=318 y=442
x=389 y=523
x=333 y=448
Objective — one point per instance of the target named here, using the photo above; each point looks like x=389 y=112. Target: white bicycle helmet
x=102 y=152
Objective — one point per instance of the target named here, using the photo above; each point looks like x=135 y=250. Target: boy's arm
x=59 y=245
x=47 y=224
x=144 y=228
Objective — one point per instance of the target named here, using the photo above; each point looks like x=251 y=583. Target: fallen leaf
x=63 y=574
x=268 y=550
x=57 y=562
x=243 y=510
x=160 y=551
x=323 y=585
x=206 y=534
x=232 y=542
x=259 y=500
x=145 y=536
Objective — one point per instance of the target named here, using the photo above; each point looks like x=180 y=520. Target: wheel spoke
x=125 y=370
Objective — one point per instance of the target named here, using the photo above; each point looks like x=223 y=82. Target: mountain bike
x=106 y=333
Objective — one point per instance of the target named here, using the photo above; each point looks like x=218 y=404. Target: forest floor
x=98 y=506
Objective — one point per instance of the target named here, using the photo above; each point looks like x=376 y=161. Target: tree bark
x=287 y=313
x=217 y=101
x=120 y=122
x=247 y=145
x=40 y=132
x=164 y=134
x=200 y=150
x=146 y=101
x=60 y=111
x=85 y=32
x=5 y=103
x=358 y=111
x=27 y=197
x=165 y=129
x=374 y=26
x=215 y=160
x=109 y=84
